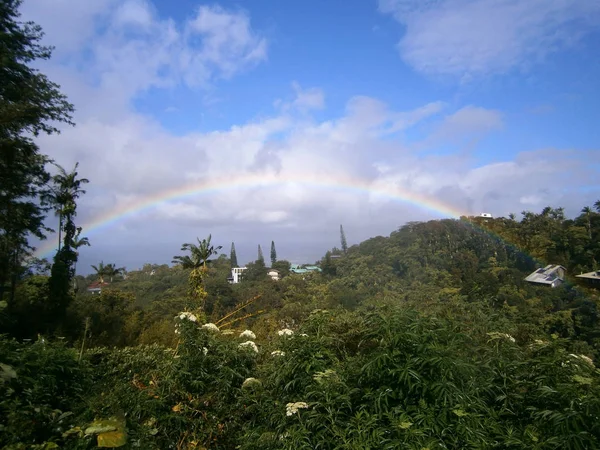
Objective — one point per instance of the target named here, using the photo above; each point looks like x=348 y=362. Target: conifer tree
x=30 y=104
x=260 y=254
x=233 y=256
x=273 y=253
x=343 y=239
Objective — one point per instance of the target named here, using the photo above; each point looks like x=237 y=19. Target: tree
x=597 y=206
x=63 y=197
x=111 y=271
x=343 y=240
x=100 y=271
x=233 y=256
x=79 y=242
x=197 y=260
x=30 y=104
x=260 y=254
x=588 y=211
x=273 y=253
x=255 y=271
x=65 y=191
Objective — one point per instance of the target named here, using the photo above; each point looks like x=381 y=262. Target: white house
x=274 y=274
x=552 y=275
x=236 y=274
x=486 y=215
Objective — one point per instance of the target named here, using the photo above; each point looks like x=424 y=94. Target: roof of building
x=590 y=275
x=546 y=275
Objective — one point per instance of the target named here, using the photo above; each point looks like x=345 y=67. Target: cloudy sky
x=301 y=116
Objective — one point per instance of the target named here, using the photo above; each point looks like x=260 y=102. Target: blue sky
x=488 y=105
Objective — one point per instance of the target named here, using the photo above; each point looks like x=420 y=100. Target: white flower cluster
x=587 y=359
x=303 y=334
x=285 y=332
x=292 y=408
x=204 y=351
x=211 y=327
x=249 y=344
x=496 y=335
x=277 y=353
x=227 y=332
x=186 y=315
x=247 y=334
x=251 y=382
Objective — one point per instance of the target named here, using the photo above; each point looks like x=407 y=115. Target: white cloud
x=469 y=38
x=287 y=175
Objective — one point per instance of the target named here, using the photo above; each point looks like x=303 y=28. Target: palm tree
x=597 y=206
x=197 y=260
x=110 y=270
x=67 y=189
x=588 y=211
x=78 y=242
x=100 y=271
x=199 y=254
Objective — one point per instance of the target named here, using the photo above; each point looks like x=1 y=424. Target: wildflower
x=227 y=332
x=304 y=335
x=211 y=327
x=250 y=383
x=204 y=351
x=285 y=332
x=496 y=335
x=177 y=331
x=249 y=344
x=186 y=315
x=278 y=353
x=247 y=334
x=292 y=408
x=584 y=358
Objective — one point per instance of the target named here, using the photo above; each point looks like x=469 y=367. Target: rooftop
x=590 y=275
x=547 y=275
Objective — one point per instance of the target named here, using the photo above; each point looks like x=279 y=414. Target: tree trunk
x=59 y=230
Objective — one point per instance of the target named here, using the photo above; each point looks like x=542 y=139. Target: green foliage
x=29 y=104
x=43 y=393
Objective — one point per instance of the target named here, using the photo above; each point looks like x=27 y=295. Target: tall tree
x=100 y=270
x=260 y=255
x=273 y=253
x=66 y=190
x=111 y=271
x=233 y=256
x=79 y=242
x=597 y=205
x=197 y=260
x=30 y=104
x=343 y=239
x=588 y=212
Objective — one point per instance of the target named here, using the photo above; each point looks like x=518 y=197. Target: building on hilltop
x=298 y=269
x=552 y=275
x=237 y=274
x=274 y=274
x=591 y=278
x=486 y=215
x=96 y=287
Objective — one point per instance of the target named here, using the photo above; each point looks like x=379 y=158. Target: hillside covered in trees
x=429 y=338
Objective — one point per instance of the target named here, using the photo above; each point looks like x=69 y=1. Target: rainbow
x=259 y=180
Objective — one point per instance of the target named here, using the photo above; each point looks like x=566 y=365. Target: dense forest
x=429 y=338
